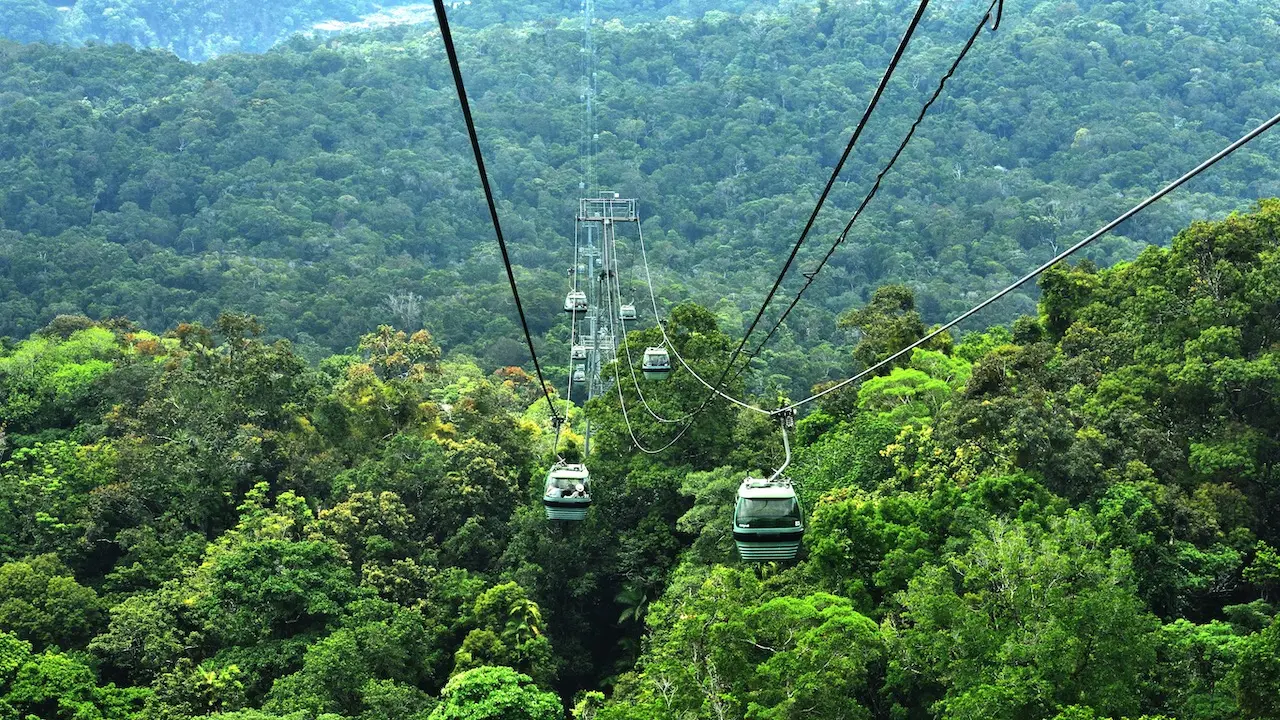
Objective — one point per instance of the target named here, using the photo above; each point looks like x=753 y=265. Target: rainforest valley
x=1069 y=519
x=272 y=446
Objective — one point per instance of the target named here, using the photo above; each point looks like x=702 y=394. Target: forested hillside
x=326 y=186
x=1071 y=519
x=193 y=29
x=201 y=29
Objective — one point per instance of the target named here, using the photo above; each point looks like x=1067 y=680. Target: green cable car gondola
x=566 y=496
x=657 y=363
x=767 y=522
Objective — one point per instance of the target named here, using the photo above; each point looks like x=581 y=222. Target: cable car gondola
x=578 y=354
x=767 y=522
x=657 y=363
x=575 y=301
x=579 y=375
x=566 y=496
x=627 y=312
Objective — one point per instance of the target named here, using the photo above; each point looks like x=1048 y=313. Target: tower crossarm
x=607 y=207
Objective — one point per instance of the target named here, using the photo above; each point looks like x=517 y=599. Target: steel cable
x=1245 y=139
x=992 y=12
x=452 y=52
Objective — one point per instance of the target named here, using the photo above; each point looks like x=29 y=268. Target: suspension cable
x=626 y=347
x=689 y=417
x=573 y=337
x=993 y=13
x=574 y=271
x=622 y=401
x=1228 y=150
x=715 y=389
x=447 y=37
x=573 y=332
x=831 y=181
x=653 y=299
x=1245 y=139
x=627 y=420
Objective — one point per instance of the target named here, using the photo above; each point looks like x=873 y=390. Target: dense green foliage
x=1070 y=520
x=326 y=187
x=267 y=450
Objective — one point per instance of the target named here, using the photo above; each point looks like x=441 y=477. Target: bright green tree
x=495 y=693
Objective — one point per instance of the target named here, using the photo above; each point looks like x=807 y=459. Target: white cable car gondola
x=627 y=312
x=579 y=375
x=575 y=301
x=767 y=520
x=578 y=354
x=567 y=495
x=657 y=363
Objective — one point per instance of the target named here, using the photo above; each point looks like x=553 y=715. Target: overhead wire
x=689 y=418
x=573 y=271
x=452 y=53
x=573 y=337
x=831 y=181
x=715 y=389
x=1170 y=187
x=653 y=299
x=993 y=12
x=626 y=346
x=1211 y=161
x=622 y=401
x=626 y=418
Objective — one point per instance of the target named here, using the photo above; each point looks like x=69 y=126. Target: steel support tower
x=598 y=330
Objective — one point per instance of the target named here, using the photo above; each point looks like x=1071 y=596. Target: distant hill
x=202 y=29
x=326 y=185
